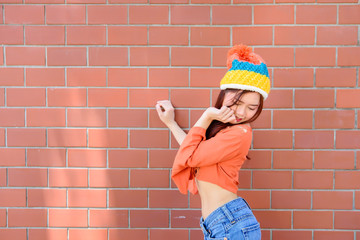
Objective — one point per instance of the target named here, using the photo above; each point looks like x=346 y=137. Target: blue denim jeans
x=232 y=221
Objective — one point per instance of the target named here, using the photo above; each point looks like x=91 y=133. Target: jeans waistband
x=225 y=211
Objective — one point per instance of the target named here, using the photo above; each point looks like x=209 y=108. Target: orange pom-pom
x=242 y=53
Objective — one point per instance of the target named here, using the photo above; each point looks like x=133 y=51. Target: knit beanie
x=246 y=70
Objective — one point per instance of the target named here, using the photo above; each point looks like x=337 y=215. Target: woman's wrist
x=204 y=121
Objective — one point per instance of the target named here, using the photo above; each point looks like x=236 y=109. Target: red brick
x=148 y=14
x=12 y=157
x=86 y=117
x=45 y=35
x=292 y=119
x=347 y=139
x=347 y=180
x=46 y=197
x=357 y=199
x=146 y=97
x=128 y=199
x=134 y=117
x=17 y=97
x=25 y=56
x=293 y=159
x=349 y=14
x=66 y=137
x=219 y=56
x=298 y=35
x=44 y=1
x=86 y=1
x=291 y=234
x=1 y=55
x=107 y=97
x=45 y=77
x=204 y=77
x=334 y=159
x=27 y=177
x=332 y=200
x=231 y=15
x=66 y=177
x=294 y=77
x=68 y=218
x=46 y=157
x=86 y=35
x=12 y=198
x=127 y=77
x=66 y=97
x=109 y=178
x=26 y=137
x=149 y=178
x=159 y=77
x=279 y=99
x=158 y=234
x=149 y=138
x=310 y=14
x=128 y=234
x=167 y=199
x=65 y=14
x=159 y=35
x=347 y=220
x=277 y=57
x=349 y=56
x=108 y=218
x=3 y=177
x=24 y=14
x=135 y=158
x=282 y=14
x=315 y=57
x=108 y=56
x=348 y=98
x=149 y=218
x=45 y=117
x=314 y=98
x=86 y=198
x=12 y=233
x=190 y=15
x=128 y=1
x=190 y=98
x=210 y=1
x=273 y=139
x=91 y=77
x=337 y=35
x=194 y=56
x=66 y=56
x=126 y=35
x=161 y=158
x=210 y=36
x=314 y=139
x=313 y=219
x=27 y=217
x=181 y=117
x=185 y=218
x=335 y=77
x=3 y=218
x=334 y=119
x=256 y=199
x=86 y=158
x=11 y=35
x=272 y=179
x=253 y=35
x=333 y=235
x=108 y=138
x=258 y=159
x=149 y=56
x=274 y=219
x=107 y=14
x=88 y=234
x=313 y=179
x=12 y=117
x=337 y=1
x=291 y=199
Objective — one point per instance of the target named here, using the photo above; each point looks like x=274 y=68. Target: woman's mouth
x=238 y=119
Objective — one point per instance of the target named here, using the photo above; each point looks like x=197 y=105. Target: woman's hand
x=165 y=111
x=224 y=114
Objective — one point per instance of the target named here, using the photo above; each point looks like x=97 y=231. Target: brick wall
x=83 y=154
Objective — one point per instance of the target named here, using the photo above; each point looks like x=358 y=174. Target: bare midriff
x=212 y=197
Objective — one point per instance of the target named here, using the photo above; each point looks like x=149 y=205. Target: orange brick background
x=83 y=154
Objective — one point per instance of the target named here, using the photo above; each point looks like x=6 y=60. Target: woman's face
x=245 y=108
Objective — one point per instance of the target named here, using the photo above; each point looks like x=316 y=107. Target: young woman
x=212 y=153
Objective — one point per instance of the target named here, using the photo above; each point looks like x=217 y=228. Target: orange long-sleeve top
x=217 y=160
